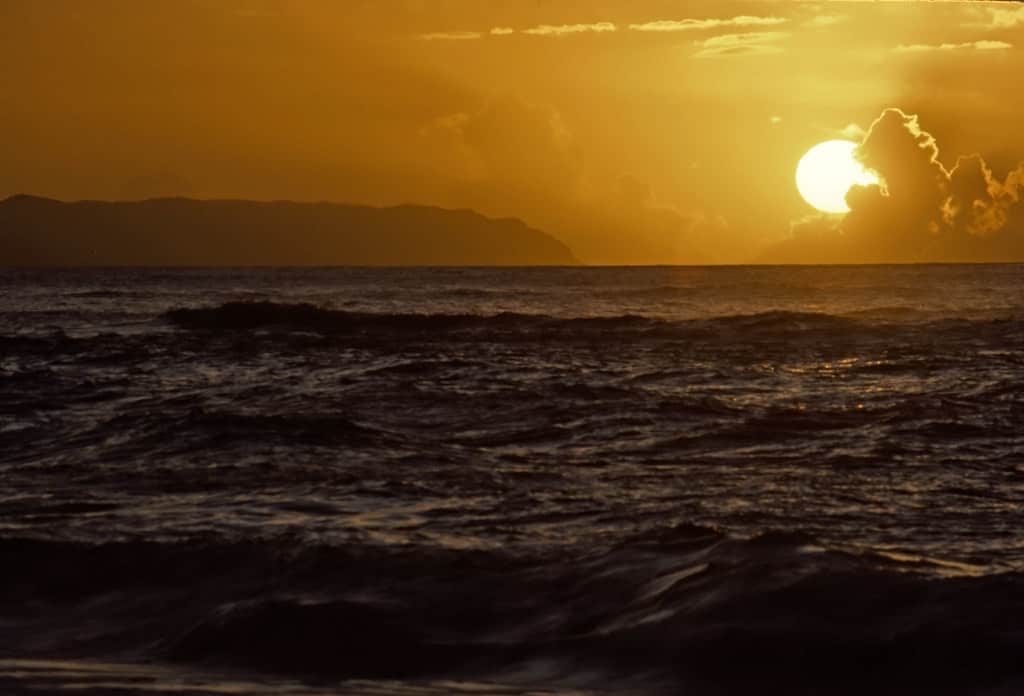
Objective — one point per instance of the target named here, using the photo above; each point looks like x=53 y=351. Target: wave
x=305 y=316
x=769 y=334
x=106 y=294
x=247 y=316
x=687 y=603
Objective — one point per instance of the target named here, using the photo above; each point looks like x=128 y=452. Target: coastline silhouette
x=186 y=232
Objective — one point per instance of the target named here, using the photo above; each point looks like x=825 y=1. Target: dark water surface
x=658 y=480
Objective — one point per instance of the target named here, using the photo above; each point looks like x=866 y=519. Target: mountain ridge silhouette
x=37 y=231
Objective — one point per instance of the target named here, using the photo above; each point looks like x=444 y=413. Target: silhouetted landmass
x=184 y=232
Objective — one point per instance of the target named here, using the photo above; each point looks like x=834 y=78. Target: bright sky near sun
x=827 y=172
x=639 y=131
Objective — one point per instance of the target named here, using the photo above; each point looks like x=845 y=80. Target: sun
x=827 y=172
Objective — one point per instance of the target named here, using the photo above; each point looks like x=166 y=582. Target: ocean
x=670 y=480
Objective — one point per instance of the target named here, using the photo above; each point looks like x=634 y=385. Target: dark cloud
x=920 y=211
x=977 y=203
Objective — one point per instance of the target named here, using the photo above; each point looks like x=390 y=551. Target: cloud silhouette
x=671 y=25
x=920 y=211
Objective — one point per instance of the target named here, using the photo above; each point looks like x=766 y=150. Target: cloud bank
x=921 y=211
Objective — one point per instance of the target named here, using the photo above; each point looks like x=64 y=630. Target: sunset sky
x=640 y=131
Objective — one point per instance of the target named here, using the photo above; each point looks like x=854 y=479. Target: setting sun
x=827 y=171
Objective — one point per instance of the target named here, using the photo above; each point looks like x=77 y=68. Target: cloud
x=824 y=21
x=920 y=211
x=451 y=36
x=670 y=25
x=851 y=131
x=1000 y=18
x=509 y=157
x=502 y=31
x=907 y=158
x=746 y=44
x=969 y=45
x=977 y=203
x=627 y=224
x=511 y=144
x=565 y=29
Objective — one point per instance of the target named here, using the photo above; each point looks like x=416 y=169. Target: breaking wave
x=686 y=603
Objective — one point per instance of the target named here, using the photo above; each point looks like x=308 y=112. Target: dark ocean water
x=588 y=480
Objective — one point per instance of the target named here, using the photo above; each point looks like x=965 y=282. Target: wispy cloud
x=749 y=42
x=824 y=21
x=851 y=131
x=671 y=25
x=1000 y=18
x=451 y=36
x=967 y=46
x=746 y=44
x=565 y=29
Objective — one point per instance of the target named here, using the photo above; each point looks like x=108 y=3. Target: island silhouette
x=38 y=231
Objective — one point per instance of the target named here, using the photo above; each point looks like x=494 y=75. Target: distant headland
x=186 y=232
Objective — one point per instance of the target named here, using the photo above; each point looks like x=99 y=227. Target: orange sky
x=647 y=131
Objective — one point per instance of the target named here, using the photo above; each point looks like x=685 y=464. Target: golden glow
x=827 y=172
x=676 y=144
